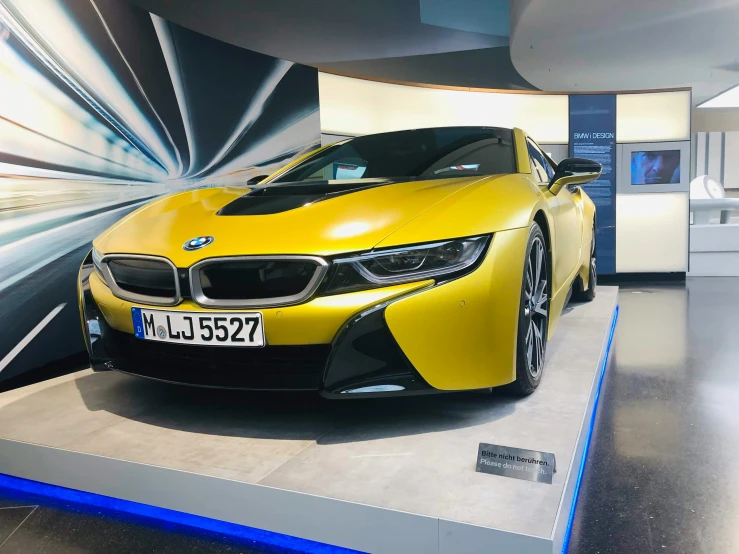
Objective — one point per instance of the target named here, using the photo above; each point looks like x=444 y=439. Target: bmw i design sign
x=197 y=243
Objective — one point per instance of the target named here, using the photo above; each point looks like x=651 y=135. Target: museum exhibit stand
x=373 y=475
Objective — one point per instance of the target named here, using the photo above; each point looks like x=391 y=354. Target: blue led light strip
x=589 y=433
x=164 y=515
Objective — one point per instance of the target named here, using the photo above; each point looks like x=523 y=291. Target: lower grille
x=268 y=368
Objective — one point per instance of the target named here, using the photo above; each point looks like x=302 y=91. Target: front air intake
x=146 y=279
x=255 y=281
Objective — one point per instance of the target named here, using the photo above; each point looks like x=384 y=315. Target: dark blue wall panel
x=593 y=136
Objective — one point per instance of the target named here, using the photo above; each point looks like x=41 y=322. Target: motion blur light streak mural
x=104 y=106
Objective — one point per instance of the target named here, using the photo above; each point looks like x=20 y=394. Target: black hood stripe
x=273 y=199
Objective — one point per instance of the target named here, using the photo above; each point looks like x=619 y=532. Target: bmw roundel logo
x=197 y=243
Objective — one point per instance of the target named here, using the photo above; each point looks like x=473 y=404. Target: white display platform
x=392 y=475
x=714 y=250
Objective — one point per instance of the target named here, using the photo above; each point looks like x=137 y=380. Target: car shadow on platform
x=287 y=416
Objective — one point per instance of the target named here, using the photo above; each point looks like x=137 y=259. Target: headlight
x=402 y=265
x=97 y=261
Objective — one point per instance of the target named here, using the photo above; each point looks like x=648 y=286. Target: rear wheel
x=578 y=294
x=533 y=315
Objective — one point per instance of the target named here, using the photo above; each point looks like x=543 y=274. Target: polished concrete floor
x=662 y=472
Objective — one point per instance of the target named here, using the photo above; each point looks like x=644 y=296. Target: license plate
x=211 y=328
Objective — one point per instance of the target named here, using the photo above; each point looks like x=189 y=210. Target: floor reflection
x=662 y=473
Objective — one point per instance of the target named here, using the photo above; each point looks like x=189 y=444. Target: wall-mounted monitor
x=649 y=167
x=655 y=167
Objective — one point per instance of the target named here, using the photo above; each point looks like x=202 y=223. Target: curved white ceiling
x=326 y=31
x=443 y=42
x=596 y=45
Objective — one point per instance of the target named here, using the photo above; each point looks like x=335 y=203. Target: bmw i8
x=406 y=262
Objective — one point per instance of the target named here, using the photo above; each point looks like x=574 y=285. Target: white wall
x=652 y=232
x=715 y=119
x=717 y=155
x=557 y=152
x=653 y=116
x=359 y=107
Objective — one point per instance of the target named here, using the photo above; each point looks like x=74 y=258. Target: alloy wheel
x=536 y=307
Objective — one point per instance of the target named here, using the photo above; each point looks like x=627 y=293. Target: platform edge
x=566 y=512
x=313 y=518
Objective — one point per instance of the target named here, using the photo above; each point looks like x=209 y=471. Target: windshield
x=419 y=153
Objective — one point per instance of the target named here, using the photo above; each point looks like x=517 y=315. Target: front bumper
x=363 y=358
x=408 y=339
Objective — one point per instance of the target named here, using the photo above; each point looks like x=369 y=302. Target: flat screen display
x=655 y=167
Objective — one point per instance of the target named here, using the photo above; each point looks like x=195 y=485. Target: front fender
x=462 y=334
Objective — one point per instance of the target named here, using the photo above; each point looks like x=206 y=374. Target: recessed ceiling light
x=727 y=99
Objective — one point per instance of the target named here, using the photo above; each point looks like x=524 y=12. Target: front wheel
x=533 y=315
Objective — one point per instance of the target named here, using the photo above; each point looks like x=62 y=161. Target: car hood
x=314 y=218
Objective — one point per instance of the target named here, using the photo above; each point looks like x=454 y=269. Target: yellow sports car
x=398 y=263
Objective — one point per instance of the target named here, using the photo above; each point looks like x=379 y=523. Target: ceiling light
x=727 y=99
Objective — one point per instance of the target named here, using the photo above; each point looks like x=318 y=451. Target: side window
x=538 y=167
x=551 y=167
x=541 y=167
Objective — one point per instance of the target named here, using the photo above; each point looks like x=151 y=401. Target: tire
x=533 y=315
x=580 y=295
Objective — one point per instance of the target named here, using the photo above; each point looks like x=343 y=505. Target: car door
x=567 y=219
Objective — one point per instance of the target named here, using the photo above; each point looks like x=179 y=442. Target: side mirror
x=256 y=180
x=574 y=171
